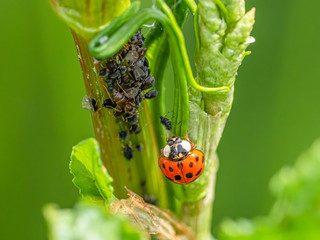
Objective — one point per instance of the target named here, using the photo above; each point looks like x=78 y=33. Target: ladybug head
x=176 y=148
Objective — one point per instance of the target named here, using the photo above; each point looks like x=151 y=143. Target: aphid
x=132 y=92
x=119 y=98
x=123 y=135
x=128 y=152
x=139 y=147
x=150 y=199
x=110 y=89
x=108 y=81
x=115 y=75
x=180 y=161
x=142 y=52
x=147 y=83
x=108 y=103
x=166 y=123
x=138 y=100
x=123 y=70
x=118 y=113
x=104 y=72
x=151 y=94
x=146 y=62
x=132 y=119
x=135 y=128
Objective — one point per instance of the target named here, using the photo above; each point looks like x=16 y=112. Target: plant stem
x=140 y=174
x=222 y=37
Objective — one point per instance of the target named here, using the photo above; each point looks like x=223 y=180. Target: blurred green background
x=275 y=115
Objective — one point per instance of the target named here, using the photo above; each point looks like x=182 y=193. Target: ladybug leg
x=187 y=137
x=192 y=144
x=193 y=147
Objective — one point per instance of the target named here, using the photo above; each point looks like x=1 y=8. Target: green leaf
x=90 y=16
x=85 y=222
x=295 y=215
x=90 y=176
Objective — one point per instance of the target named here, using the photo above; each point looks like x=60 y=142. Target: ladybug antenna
x=168 y=114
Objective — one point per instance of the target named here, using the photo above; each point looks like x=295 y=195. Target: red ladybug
x=180 y=161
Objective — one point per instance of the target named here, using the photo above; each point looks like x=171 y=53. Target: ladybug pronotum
x=180 y=161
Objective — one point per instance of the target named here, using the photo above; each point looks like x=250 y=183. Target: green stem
x=143 y=167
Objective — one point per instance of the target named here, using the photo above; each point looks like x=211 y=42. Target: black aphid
x=108 y=81
x=128 y=152
x=147 y=83
x=123 y=70
x=151 y=94
x=104 y=72
x=151 y=199
x=108 y=103
x=135 y=129
x=133 y=119
x=115 y=75
x=139 y=147
x=110 y=89
x=146 y=62
x=166 y=123
x=94 y=104
x=123 y=135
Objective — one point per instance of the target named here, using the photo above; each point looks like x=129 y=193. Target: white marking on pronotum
x=166 y=151
x=186 y=145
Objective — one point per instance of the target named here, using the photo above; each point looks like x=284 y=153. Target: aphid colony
x=126 y=76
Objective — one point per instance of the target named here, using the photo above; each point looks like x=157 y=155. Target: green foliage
x=90 y=176
x=88 y=17
x=296 y=213
x=224 y=34
x=85 y=222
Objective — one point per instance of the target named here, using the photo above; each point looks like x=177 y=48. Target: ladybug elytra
x=180 y=161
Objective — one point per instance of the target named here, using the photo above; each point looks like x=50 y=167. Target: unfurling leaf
x=90 y=16
x=85 y=222
x=90 y=176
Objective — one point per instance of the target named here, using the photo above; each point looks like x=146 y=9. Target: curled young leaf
x=88 y=17
x=86 y=221
x=90 y=176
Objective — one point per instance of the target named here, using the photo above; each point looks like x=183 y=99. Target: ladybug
x=180 y=161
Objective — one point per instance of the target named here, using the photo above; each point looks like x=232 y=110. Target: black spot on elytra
x=163 y=166
x=198 y=172
x=191 y=164
x=189 y=175
x=202 y=159
x=170 y=169
x=177 y=177
x=197 y=158
x=169 y=178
